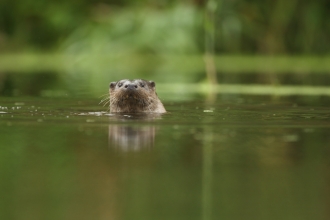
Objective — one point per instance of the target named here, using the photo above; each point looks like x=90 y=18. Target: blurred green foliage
x=266 y=27
x=89 y=43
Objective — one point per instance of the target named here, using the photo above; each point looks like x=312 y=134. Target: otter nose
x=131 y=86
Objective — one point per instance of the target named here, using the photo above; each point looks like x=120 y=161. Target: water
x=248 y=157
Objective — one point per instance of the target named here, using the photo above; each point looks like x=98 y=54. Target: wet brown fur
x=134 y=96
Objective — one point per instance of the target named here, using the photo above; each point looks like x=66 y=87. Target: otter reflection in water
x=134 y=96
x=136 y=137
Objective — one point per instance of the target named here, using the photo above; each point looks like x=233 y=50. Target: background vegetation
x=90 y=41
x=265 y=27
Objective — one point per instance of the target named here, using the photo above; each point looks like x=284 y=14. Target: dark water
x=240 y=158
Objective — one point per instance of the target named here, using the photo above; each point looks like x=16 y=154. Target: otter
x=134 y=96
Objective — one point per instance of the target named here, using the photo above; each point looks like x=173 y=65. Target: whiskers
x=105 y=101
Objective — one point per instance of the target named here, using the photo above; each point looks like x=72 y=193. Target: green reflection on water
x=207 y=175
x=243 y=158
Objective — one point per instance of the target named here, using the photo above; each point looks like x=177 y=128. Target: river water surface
x=248 y=157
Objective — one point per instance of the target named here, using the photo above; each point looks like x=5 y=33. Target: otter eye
x=120 y=84
x=142 y=85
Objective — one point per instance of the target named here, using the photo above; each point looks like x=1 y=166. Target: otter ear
x=152 y=84
x=112 y=85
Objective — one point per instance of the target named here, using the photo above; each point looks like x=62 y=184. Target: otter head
x=134 y=96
